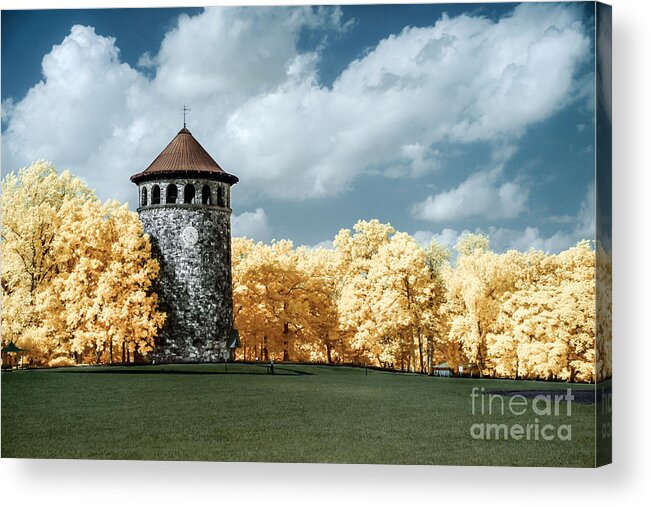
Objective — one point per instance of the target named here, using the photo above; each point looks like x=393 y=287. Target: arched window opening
x=220 y=197
x=188 y=194
x=172 y=194
x=155 y=194
x=206 y=198
x=143 y=199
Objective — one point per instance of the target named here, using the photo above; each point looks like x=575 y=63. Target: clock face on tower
x=190 y=236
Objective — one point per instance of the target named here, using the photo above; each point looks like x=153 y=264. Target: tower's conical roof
x=184 y=156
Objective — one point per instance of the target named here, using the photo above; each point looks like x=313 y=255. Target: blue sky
x=436 y=118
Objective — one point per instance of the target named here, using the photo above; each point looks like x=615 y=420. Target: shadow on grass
x=141 y=371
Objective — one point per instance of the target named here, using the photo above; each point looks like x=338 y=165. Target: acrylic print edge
x=603 y=231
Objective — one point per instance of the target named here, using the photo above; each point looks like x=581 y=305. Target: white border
x=68 y=482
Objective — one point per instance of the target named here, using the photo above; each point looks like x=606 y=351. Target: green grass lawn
x=300 y=414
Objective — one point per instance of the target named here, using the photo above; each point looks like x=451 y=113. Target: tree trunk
x=430 y=354
x=265 y=351
x=480 y=359
x=329 y=352
x=286 y=341
x=420 y=352
x=517 y=365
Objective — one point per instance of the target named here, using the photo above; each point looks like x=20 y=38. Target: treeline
x=77 y=279
x=76 y=273
x=380 y=298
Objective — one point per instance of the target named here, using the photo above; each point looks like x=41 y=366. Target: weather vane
x=185 y=110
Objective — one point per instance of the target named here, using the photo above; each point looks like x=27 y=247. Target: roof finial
x=185 y=110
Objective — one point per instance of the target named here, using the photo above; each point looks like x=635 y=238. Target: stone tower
x=185 y=208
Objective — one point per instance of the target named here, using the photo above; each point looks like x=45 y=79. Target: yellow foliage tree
x=546 y=328
x=105 y=292
x=358 y=323
x=474 y=290
x=400 y=297
x=604 y=330
x=320 y=270
x=76 y=274
x=31 y=218
x=391 y=295
x=439 y=348
x=380 y=298
x=271 y=300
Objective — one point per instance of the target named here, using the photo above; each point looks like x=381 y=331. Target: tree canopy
x=76 y=274
x=381 y=298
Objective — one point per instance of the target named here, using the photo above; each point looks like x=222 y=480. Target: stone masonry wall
x=194 y=283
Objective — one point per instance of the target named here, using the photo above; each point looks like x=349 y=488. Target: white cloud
x=105 y=121
x=503 y=238
x=465 y=79
x=415 y=160
x=509 y=239
x=423 y=237
x=447 y=237
x=482 y=194
x=86 y=115
x=605 y=58
x=72 y=114
x=146 y=61
x=327 y=245
x=7 y=109
x=586 y=217
x=258 y=105
x=252 y=224
x=232 y=51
